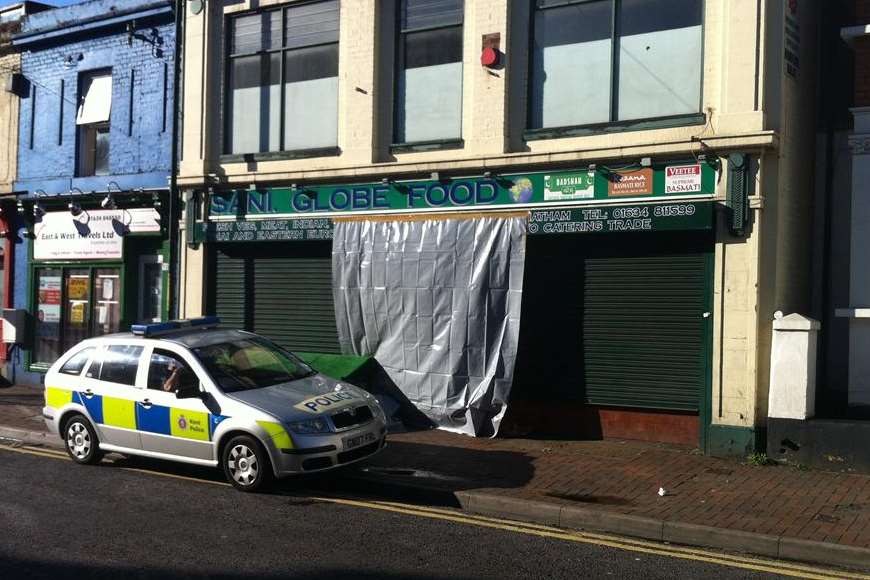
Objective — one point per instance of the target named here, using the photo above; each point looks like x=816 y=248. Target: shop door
x=282 y=291
x=616 y=321
x=150 y=292
x=643 y=329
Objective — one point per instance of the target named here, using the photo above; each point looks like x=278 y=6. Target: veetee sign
x=531 y=190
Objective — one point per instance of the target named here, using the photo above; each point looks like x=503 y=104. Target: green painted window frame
x=63 y=266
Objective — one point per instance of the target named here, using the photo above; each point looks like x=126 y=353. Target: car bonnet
x=301 y=399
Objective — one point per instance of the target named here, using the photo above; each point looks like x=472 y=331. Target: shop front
x=93 y=272
x=571 y=301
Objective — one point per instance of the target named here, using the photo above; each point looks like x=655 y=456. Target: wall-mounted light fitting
x=645 y=161
x=74 y=208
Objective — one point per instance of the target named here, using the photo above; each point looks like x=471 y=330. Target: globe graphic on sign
x=522 y=190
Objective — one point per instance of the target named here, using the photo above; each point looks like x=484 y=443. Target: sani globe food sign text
x=552 y=187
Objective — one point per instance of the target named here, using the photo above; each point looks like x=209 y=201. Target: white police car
x=190 y=391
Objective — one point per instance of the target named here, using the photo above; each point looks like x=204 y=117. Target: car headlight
x=318 y=425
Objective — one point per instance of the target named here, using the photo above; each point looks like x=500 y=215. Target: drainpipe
x=174 y=201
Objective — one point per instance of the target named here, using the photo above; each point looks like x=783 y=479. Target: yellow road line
x=628 y=544
x=623 y=540
x=61 y=455
x=757 y=565
x=27 y=451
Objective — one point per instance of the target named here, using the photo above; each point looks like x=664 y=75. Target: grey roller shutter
x=643 y=330
x=281 y=292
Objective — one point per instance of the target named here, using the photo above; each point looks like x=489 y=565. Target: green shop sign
x=503 y=191
x=623 y=218
x=678 y=215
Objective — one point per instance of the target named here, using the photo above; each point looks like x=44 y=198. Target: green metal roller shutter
x=230 y=297
x=643 y=330
x=282 y=292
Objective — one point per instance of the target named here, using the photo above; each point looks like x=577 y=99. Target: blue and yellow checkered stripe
x=126 y=414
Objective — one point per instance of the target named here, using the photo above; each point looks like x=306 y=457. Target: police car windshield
x=250 y=363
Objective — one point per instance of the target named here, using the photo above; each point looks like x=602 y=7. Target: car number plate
x=354 y=442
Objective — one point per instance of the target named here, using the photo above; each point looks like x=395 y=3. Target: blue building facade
x=96 y=128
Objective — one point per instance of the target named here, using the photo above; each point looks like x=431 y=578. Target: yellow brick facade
x=751 y=106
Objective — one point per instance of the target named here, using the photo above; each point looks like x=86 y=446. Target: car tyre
x=246 y=464
x=80 y=441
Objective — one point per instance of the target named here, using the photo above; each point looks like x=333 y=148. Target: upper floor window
x=283 y=79
x=429 y=87
x=92 y=118
x=584 y=71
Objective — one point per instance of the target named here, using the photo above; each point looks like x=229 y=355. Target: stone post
x=793 y=367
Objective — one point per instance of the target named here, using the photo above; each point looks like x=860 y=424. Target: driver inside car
x=173 y=380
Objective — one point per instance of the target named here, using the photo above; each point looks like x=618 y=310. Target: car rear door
x=180 y=427
x=111 y=394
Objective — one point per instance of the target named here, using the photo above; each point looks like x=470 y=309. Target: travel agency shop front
x=573 y=301
x=90 y=270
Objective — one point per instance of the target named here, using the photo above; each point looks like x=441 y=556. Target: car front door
x=173 y=425
x=111 y=394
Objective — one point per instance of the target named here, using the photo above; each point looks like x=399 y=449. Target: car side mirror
x=188 y=392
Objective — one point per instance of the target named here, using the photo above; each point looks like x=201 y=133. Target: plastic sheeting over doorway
x=437 y=303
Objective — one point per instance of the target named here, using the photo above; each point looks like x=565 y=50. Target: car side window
x=76 y=363
x=118 y=364
x=168 y=372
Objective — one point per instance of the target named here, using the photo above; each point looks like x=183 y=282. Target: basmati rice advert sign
x=91 y=235
x=683 y=179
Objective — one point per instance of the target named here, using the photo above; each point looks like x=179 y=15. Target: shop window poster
x=48 y=308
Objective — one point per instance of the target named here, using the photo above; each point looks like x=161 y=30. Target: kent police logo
x=182 y=422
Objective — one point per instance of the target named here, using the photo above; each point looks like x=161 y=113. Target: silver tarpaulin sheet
x=437 y=303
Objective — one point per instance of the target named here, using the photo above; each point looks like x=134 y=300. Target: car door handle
x=146 y=403
x=89 y=394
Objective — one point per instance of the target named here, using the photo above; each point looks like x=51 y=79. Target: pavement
x=778 y=511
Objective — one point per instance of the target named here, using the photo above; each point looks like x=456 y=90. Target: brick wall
x=142 y=113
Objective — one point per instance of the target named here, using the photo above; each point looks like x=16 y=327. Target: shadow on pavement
x=34 y=400
x=408 y=472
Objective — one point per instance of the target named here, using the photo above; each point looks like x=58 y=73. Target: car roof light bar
x=148 y=330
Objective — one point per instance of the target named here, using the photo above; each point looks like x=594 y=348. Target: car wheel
x=246 y=464
x=80 y=441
